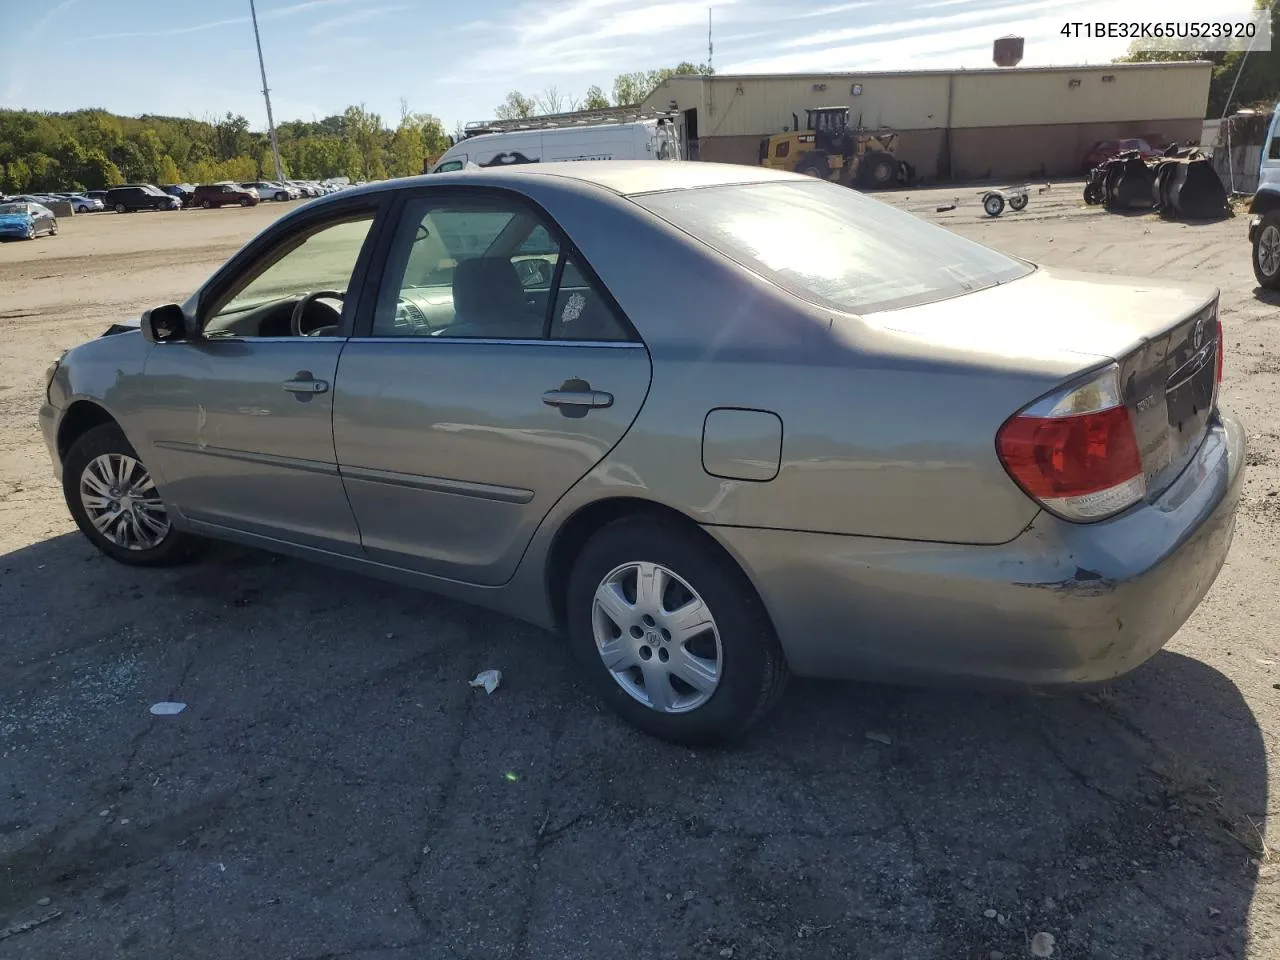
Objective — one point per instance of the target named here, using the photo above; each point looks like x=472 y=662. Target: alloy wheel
x=122 y=502
x=1269 y=250
x=657 y=637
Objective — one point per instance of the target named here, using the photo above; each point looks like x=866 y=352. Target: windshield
x=12 y=208
x=834 y=246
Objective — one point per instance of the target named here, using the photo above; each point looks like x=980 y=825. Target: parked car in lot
x=83 y=204
x=223 y=194
x=1264 y=210
x=182 y=191
x=24 y=220
x=268 y=190
x=835 y=440
x=100 y=195
x=1106 y=149
x=140 y=196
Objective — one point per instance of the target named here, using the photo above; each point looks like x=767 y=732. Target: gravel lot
x=335 y=789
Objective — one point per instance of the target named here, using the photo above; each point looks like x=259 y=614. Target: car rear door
x=464 y=407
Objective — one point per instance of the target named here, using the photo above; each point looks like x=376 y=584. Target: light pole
x=266 y=94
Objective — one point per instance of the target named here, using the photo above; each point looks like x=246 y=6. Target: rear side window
x=831 y=245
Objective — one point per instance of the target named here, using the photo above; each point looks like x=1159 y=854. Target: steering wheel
x=300 y=309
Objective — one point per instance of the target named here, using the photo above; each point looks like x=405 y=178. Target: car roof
x=624 y=177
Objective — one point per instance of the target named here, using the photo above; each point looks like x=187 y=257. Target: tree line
x=94 y=149
x=628 y=89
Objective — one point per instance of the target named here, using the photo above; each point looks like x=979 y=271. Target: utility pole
x=266 y=93
x=709 y=47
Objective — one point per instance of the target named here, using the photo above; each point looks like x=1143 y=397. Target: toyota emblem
x=1197 y=338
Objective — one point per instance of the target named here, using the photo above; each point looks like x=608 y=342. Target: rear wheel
x=1266 y=252
x=246 y=202
x=121 y=208
x=993 y=204
x=812 y=170
x=31 y=231
x=114 y=501
x=1018 y=202
x=671 y=634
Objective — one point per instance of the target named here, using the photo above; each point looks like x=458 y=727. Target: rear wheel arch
x=81 y=417
x=588 y=520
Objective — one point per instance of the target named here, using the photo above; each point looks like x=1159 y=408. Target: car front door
x=480 y=387
x=240 y=424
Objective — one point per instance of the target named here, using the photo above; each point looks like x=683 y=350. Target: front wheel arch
x=81 y=417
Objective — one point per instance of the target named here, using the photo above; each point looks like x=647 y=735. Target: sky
x=457 y=60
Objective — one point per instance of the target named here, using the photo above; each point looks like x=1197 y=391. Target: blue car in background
x=23 y=220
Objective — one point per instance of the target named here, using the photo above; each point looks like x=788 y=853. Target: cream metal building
x=960 y=124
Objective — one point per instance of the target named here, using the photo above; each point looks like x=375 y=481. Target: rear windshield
x=833 y=246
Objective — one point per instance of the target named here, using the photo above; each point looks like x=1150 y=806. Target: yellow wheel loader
x=829 y=148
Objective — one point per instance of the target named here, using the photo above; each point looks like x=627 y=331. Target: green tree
x=97 y=172
x=632 y=88
x=516 y=106
x=167 y=171
x=17 y=176
x=595 y=99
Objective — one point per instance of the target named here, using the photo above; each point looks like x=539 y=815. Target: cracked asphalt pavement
x=335 y=789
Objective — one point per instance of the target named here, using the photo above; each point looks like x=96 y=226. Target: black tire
x=31 y=232
x=993 y=204
x=812 y=170
x=246 y=202
x=121 y=208
x=1018 y=201
x=176 y=547
x=1092 y=194
x=207 y=204
x=281 y=197
x=753 y=670
x=878 y=171
x=1266 y=252
x=53 y=229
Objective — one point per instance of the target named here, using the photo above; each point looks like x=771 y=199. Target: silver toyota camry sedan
x=715 y=424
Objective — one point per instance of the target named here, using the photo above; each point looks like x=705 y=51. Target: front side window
x=483 y=269
x=262 y=301
x=834 y=246
x=451 y=165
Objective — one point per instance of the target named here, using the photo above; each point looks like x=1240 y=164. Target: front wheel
x=115 y=503
x=31 y=231
x=53 y=229
x=993 y=204
x=671 y=634
x=1266 y=252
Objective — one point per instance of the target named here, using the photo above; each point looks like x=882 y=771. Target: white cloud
x=331 y=24
x=271 y=13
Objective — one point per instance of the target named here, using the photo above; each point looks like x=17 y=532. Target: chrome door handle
x=306 y=385
x=577 y=398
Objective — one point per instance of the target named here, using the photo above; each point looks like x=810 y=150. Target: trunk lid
x=1163 y=334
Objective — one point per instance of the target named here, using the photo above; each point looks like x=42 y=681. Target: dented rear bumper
x=1061 y=603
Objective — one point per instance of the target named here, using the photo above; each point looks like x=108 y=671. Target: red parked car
x=1104 y=149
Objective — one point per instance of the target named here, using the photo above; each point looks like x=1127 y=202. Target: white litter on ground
x=489 y=679
x=166 y=709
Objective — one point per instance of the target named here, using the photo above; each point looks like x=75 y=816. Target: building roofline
x=854 y=74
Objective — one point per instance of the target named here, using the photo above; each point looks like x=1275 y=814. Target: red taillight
x=1075 y=451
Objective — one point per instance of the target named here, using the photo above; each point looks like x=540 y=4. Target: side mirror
x=165 y=324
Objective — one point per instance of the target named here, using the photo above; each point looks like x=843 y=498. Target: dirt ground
x=335 y=789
